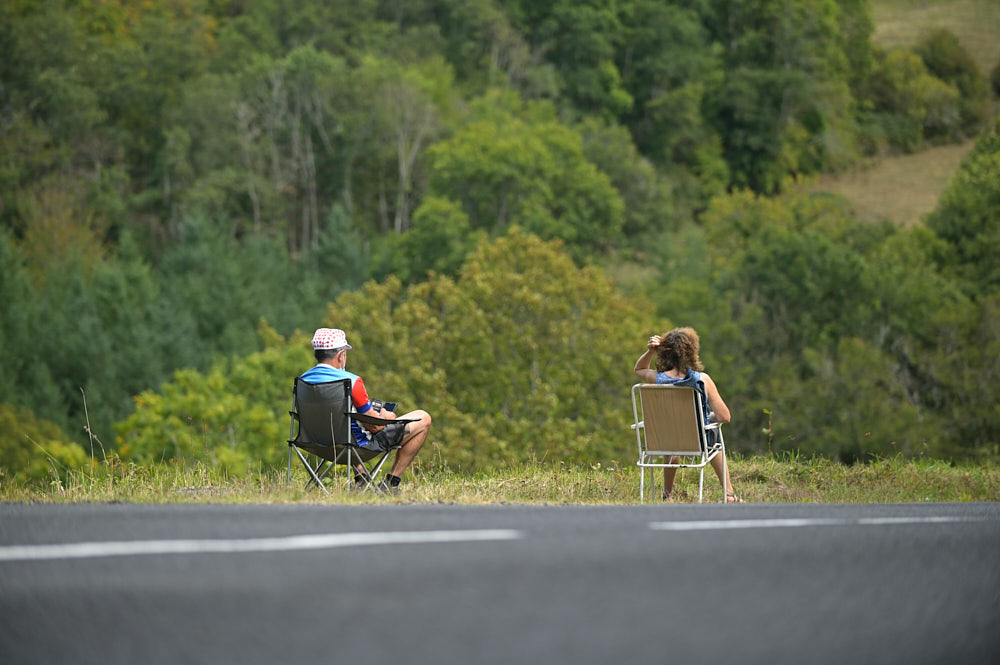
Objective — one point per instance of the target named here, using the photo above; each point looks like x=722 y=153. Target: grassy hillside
x=901 y=189
x=976 y=23
x=904 y=188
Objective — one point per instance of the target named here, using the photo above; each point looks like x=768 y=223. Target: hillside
x=904 y=188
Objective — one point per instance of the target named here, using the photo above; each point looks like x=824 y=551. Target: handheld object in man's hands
x=379 y=405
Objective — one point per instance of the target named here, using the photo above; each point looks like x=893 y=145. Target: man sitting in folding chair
x=677 y=363
x=330 y=347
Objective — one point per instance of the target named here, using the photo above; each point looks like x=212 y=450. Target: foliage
x=949 y=61
x=531 y=172
x=819 y=329
x=784 y=106
x=912 y=104
x=264 y=117
x=33 y=450
x=522 y=356
x=933 y=92
x=113 y=326
x=968 y=216
x=227 y=417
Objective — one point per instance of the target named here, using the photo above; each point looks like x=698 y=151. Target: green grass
x=759 y=479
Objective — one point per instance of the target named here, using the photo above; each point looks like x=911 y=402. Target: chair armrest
x=375 y=420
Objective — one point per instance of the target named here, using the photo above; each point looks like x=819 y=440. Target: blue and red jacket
x=322 y=373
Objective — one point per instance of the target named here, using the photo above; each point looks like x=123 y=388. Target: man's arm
x=364 y=405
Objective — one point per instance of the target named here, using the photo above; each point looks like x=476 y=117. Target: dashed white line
x=797 y=522
x=280 y=544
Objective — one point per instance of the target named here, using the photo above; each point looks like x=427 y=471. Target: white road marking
x=798 y=522
x=283 y=544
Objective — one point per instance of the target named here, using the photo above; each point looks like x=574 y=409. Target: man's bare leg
x=413 y=440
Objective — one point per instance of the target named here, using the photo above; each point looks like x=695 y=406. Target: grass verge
x=758 y=479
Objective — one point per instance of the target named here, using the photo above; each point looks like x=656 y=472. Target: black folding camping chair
x=323 y=413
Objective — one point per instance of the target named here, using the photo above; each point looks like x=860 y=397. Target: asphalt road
x=743 y=584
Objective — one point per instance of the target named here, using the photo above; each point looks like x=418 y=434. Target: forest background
x=499 y=201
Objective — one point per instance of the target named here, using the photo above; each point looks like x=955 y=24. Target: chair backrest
x=322 y=412
x=672 y=418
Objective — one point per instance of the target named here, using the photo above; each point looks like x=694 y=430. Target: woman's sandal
x=732 y=498
x=668 y=497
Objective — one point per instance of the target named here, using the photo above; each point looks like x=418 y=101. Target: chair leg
x=327 y=470
x=353 y=457
x=381 y=462
x=312 y=473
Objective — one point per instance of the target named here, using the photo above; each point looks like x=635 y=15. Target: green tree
x=530 y=172
x=846 y=402
x=821 y=320
x=668 y=65
x=785 y=104
x=647 y=195
x=439 y=241
x=579 y=39
x=949 y=61
x=968 y=217
x=910 y=103
x=960 y=360
x=228 y=416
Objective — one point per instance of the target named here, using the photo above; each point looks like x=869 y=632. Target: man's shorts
x=387 y=438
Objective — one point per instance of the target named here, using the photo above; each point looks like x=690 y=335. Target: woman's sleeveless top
x=693 y=379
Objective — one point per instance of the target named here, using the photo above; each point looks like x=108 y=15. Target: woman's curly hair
x=678 y=350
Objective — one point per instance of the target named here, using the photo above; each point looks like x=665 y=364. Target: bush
x=229 y=417
x=33 y=450
x=523 y=356
x=911 y=104
x=949 y=61
x=967 y=216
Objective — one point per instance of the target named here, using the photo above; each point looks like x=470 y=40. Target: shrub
x=32 y=449
x=949 y=61
x=910 y=103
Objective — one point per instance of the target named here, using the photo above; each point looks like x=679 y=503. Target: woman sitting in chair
x=677 y=362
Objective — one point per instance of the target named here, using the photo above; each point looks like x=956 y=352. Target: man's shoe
x=385 y=488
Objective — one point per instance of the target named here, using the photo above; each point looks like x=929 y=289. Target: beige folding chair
x=670 y=422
